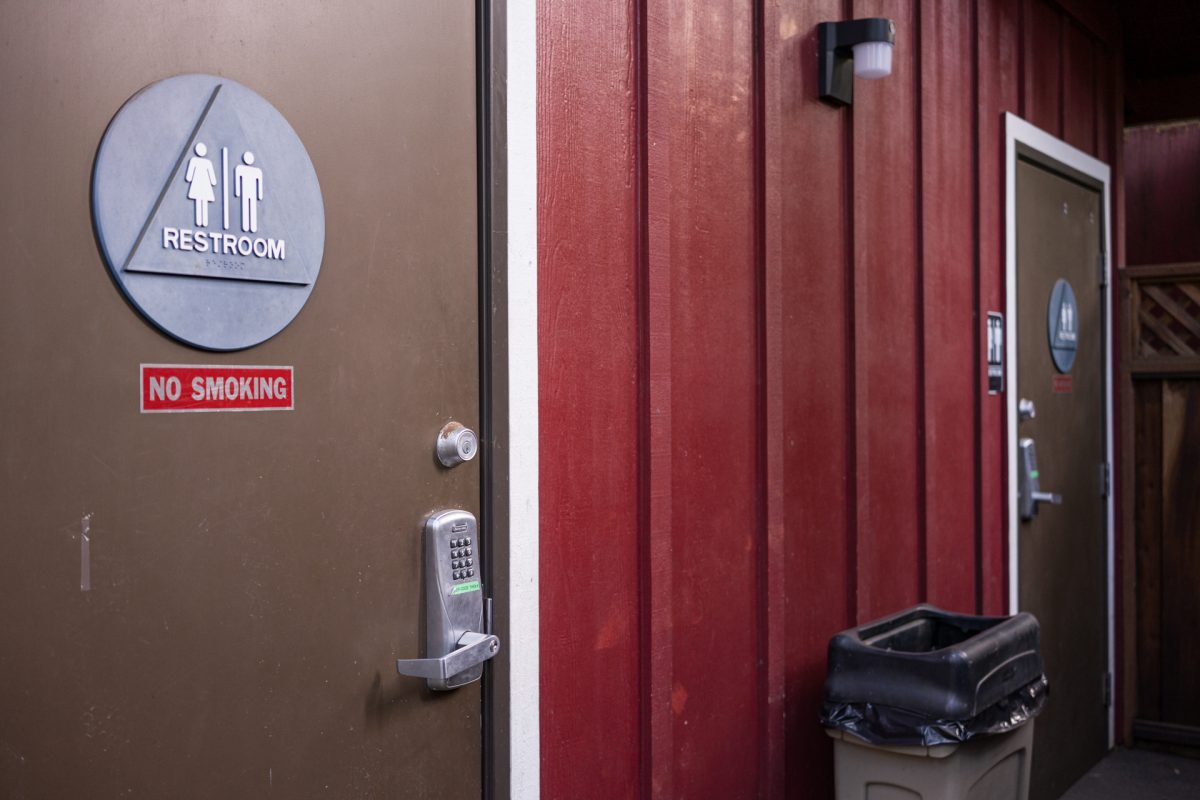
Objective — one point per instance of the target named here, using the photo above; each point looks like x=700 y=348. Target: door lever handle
x=1029 y=489
x=473 y=649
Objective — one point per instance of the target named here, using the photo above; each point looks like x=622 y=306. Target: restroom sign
x=227 y=244
x=1062 y=325
x=995 y=352
x=208 y=211
x=184 y=387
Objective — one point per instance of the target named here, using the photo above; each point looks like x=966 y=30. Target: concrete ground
x=1139 y=775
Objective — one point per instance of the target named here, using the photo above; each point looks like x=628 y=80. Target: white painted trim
x=1017 y=130
x=522 y=645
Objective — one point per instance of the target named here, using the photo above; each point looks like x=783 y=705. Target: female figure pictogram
x=201 y=178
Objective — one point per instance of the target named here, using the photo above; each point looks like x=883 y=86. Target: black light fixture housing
x=836 y=42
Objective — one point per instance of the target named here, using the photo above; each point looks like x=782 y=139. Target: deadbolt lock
x=455 y=444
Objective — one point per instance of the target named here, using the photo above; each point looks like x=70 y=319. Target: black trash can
x=936 y=704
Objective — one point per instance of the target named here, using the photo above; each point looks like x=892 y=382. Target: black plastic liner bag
x=892 y=726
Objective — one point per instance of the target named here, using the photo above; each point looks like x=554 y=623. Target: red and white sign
x=186 y=387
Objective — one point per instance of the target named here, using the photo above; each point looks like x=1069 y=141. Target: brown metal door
x=211 y=605
x=1062 y=551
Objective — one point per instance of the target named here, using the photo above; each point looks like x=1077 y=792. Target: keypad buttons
x=459 y=555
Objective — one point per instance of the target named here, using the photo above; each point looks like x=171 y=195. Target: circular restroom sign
x=1062 y=326
x=208 y=211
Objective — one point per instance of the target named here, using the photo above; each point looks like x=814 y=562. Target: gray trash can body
x=994 y=767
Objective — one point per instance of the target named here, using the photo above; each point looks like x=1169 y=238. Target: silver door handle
x=473 y=649
x=1029 y=488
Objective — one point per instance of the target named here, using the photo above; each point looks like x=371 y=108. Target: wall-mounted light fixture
x=859 y=47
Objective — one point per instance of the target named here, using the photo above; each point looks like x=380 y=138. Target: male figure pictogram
x=201 y=178
x=248 y=185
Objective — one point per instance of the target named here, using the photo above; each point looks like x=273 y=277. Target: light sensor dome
x=856 y=48
x=873 y=60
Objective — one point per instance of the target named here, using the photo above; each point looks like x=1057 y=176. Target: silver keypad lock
x=455 y=642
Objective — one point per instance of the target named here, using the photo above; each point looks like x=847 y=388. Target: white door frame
x=522 y=704
x=1053 y=150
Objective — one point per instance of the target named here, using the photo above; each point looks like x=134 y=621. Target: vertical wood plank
x=998 y=68
x=701 y=80
x=1180 y=635
x=1079 y=88
x=817 y=370
x=657 y=513
x=1108 y=121
x=887 y=374
x=770 y=224
x=588 y=326
x=1043 y=67
x=1148 y=532
x=948 y=294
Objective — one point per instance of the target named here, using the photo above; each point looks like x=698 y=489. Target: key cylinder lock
x=456 y=443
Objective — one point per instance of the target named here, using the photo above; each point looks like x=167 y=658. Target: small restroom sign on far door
x=995 y=352
x=1062 y=323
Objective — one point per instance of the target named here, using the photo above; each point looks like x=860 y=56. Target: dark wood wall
x=1161 y=379
x=1167 y=513
x=763 y=412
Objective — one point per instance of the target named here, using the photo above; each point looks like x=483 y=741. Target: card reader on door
x=1029 y=489
x=455 y=645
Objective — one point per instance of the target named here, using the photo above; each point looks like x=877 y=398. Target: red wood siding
x=1044 y=51
x=1079 y=88
x=588 y=325
x=999 y=88
x=1162 y=193
x=817 y=344
x=947 y=298
x=764 y=411
x=888 y=422
x=703 y=367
